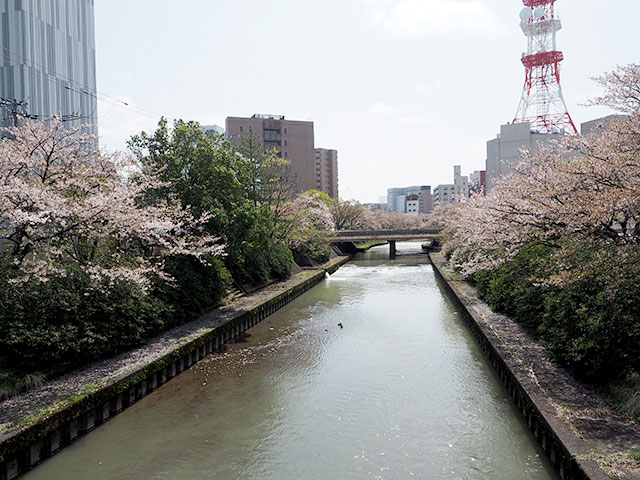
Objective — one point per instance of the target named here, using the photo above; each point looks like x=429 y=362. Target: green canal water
x=400 y=391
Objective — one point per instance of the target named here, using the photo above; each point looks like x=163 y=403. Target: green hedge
x=53 y=326
x=586 y=326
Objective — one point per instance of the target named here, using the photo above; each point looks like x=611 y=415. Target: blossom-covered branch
x=63 y=203
x=580 y=193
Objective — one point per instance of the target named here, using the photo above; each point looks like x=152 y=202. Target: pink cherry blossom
x=64 y=203
x=582 y=192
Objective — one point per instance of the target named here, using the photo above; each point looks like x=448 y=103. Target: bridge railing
x=384 y=233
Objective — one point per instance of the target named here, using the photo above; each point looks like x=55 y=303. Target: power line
x=18 y=108
x=54 y=79
x=70 y=84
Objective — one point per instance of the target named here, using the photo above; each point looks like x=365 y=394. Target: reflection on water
x=399 y=391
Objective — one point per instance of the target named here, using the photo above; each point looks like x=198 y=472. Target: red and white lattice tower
x=542 y=103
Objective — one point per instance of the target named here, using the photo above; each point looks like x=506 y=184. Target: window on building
x=285 y=131
x=240 y=128
x=286 y=154
x=285 y=143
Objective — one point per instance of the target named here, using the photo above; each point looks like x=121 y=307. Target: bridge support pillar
x=392 y=249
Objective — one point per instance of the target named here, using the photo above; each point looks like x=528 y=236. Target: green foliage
x=203 y=171
x=195 y=289
x=625 y=394
x=208 y=175
x=323 y=197
x=51 y=326
x=70 y=321
x=313 y=252
x=585 y=325
x=634 y=455
x=280 y=261
x=509 y=287
x=11 y=384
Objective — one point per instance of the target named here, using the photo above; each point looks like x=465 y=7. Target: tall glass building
x=47 y=60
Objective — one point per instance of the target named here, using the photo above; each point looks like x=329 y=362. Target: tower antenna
x=542 y=103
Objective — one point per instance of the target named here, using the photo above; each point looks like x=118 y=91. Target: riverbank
x=582 y=435
x=38 y=423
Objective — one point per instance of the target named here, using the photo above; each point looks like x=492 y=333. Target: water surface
x=401 y=390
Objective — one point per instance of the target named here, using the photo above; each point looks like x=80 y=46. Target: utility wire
x=70 y=84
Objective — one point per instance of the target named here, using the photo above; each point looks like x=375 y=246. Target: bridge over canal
x=391 y=236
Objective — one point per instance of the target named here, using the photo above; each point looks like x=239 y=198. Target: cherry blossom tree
x=64 y=204
x=580 y=194
x=307 y=219
x=381 y=220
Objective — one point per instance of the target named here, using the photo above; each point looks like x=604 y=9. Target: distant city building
x=292 y=140
x=460 y=184
x=326 y=164
x=48 y=63
x=425 y=201
x=208 y=129
x=396 y=197
x=503 y=152
x=478 y=182
x=412 y=204
x=443 y=194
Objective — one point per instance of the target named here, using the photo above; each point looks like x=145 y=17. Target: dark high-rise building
x=47 y=61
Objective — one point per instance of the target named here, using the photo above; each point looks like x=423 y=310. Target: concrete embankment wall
x=557 y=440
x=27 y=447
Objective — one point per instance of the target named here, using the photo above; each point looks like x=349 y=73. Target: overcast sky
x=403 y=89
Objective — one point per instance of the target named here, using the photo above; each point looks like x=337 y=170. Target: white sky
x=403 y=89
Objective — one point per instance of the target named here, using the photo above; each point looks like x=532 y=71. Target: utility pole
x=12 y=105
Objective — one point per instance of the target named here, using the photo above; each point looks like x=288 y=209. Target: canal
x=371 y=374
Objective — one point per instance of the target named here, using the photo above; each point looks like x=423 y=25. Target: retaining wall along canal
x=23 y=448
x=560 y=442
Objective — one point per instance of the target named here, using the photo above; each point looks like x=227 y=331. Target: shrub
x=280 y=261
x=56 y=325
x=586 y=325
x=196 y=288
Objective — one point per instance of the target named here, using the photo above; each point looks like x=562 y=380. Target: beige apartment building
x=292 y=139
x=327 y=171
